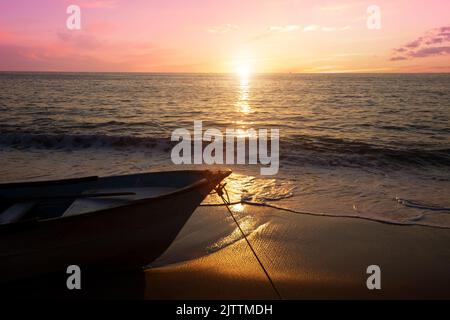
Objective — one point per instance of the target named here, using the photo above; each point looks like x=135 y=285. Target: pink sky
x=223 y=36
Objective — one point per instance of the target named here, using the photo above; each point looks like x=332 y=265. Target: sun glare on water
x=243 y=71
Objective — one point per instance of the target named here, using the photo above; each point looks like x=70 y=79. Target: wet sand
x=306 y=256
x=314 y=257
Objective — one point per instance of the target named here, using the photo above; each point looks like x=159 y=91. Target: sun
x=243 y=71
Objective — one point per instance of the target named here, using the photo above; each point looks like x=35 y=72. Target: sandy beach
x=313 y=257
x=307 y=257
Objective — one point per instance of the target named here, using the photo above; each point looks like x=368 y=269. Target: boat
x=111 y=223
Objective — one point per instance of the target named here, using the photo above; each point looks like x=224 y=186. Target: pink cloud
x=425 y=46
x=80 y=41
x=99 y=4
x=432 y=51
x=83 y=52
x=9 y=37
x=414 y=44
x=398 y=58
x=18 y=58
x=102 y=27
x=4 y=36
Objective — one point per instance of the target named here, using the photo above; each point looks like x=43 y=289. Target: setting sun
x=243 y=71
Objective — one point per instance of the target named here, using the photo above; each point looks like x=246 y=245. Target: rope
x=219 y=190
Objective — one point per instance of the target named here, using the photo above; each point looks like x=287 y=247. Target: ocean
x=371 y=146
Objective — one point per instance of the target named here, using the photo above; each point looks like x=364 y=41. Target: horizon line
x=225 y=73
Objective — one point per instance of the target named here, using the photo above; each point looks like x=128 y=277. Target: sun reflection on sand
x=248 y=224
x=231 y=273
x=238 y=207
x=250 y=188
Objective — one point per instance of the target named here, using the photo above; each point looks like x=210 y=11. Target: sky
x=254 y=36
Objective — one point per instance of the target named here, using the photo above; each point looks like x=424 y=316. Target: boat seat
x=85 y=205
x=15 y=212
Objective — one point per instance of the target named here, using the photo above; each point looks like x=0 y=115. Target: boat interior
x=62 y=198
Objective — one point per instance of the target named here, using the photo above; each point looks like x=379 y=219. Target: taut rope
x=220 y=192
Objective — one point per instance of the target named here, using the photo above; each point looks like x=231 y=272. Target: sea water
x=373 y=146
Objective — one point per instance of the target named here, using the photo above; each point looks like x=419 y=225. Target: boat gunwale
x=216 y=176
x=37 y=183
x=25 y=184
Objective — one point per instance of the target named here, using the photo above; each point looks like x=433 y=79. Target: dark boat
x=118 y=222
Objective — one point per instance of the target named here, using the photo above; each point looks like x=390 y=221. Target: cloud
x=311 y=27
x=287 y=28
x=432 y=51
x=435 y=42
x=328 y=29
x=6 y=36
x=53 y=58
x=80 y=41
x=315 y=27
x=99 y=4
x=339 y=7
x=400 y=50
x=36 y=58
x=223 y=28
x=414 y=44
x=81 y=51
x=397 y=58
x=273 y=30
x=307 y=28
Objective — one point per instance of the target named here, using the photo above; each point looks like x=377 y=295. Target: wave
x=334 y=151
x=73 y=142
x=297 y=150
x=421 y=205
